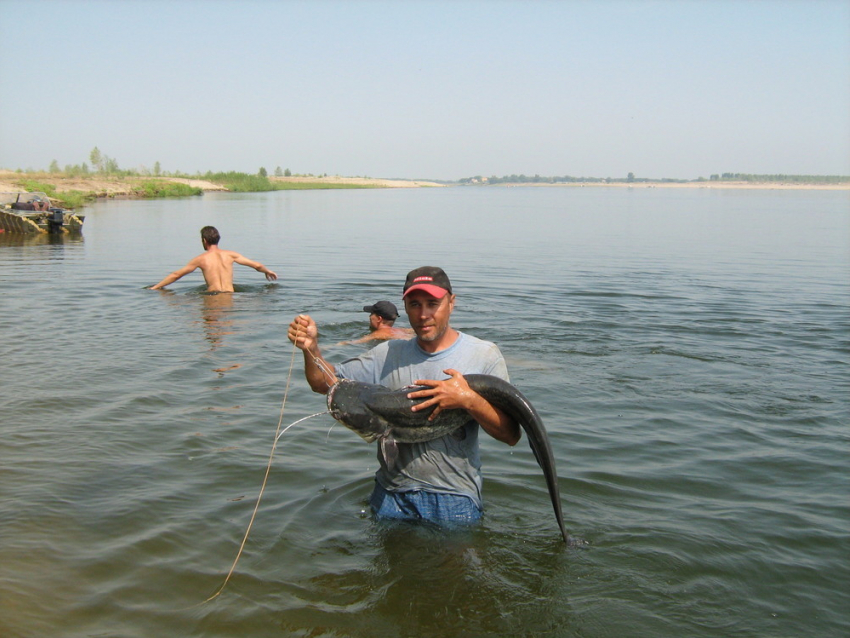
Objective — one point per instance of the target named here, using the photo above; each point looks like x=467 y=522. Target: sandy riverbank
x=101 y=185
x=105 y=186
x=359 y=181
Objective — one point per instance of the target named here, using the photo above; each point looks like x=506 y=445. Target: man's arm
x=270 y=275
x=379 y=334
x=304 y=333
x=177 y=274
x=456 y=393
x=368 y=337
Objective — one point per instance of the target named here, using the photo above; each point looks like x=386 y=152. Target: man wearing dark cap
x=436 y=480
x=383 y=309
x=382 y=316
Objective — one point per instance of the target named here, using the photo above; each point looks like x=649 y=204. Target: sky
x=429 y=89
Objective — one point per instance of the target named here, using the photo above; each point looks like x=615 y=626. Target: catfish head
x=348 y=403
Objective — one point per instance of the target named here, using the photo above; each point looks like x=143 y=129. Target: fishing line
x=332 y=379
x=277 y=435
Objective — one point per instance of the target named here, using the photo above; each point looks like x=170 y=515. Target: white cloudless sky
x=429 y=89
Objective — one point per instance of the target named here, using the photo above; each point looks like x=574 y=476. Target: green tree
x=96 y=159
x=157 y=169
x=262 y=172
x=631 y=177
x=110 y=165
x=54 y=167
x=287 y=173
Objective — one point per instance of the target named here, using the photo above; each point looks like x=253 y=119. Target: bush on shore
x=161 y=188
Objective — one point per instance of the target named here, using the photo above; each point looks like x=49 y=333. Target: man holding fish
x=437 y=480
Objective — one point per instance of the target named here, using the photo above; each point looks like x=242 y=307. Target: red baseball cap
x=429 y=279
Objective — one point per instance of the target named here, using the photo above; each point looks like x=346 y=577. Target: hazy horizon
x=431 y=89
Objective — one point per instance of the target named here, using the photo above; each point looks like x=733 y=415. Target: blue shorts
x=419 y=505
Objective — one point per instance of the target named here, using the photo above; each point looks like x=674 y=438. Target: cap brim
x=434 y=291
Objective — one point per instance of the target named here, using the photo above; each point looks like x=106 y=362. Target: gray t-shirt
x=450 y=464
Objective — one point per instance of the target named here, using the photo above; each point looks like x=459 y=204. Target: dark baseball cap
x=430 y=279
x=384 y=309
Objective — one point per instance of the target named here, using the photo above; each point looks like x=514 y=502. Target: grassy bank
x=142 y=188
x=74 y=191
x=245 y=183
x=68 y=199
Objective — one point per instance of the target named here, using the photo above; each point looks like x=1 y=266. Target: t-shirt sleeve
x=363 y=368
x=497 y=366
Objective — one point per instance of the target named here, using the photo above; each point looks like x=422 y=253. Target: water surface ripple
x=687 y=350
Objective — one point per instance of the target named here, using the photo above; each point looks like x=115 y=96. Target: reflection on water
x=40 y=239
x=213 y=312
x=216 y=318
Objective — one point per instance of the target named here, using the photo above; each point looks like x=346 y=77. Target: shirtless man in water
x=216 y=264
x=382 y=316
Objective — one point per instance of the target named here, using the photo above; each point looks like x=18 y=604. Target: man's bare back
x=215 y=264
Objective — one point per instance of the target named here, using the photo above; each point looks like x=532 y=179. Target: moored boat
x=23 y=212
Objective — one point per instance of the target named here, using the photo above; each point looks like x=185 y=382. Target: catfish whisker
x=283 y=431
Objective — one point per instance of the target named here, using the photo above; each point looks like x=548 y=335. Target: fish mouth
x=339 y=410
x=330 y=398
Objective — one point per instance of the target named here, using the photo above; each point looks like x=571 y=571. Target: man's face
x=374 y=322
x=428 y=316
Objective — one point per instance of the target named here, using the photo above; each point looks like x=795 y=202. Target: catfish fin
x=389 y=448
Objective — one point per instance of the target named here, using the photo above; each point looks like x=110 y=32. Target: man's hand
x=304 y=333
x=445 y=395
x=455 y=393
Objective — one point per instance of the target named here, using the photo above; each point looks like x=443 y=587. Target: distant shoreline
x=98 y=186
x=706 y=184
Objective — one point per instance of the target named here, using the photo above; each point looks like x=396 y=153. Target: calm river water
x=688 y=351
